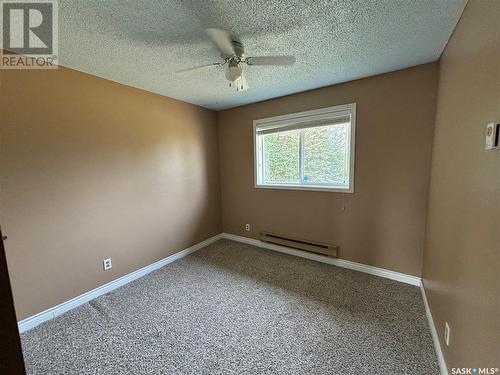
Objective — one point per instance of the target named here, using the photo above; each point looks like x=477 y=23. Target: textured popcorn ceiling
x=142 y=43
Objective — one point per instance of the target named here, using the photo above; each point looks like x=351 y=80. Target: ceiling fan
x=233 y=58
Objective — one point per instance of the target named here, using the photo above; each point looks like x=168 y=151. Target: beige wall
x=91 y=169
x=462 y=254
x=384 y=222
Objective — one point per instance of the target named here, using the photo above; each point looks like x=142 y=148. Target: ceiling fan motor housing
x=238 y=48
x=239 y=52
x=233 y=70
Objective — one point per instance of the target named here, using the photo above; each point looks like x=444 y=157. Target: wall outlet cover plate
x=107 y=264
x=491 y=136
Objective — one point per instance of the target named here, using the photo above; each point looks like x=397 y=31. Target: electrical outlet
x=247 y=227
x=107 y=264
x=447 y=333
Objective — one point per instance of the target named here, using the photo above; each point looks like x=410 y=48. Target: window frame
x=298 y=117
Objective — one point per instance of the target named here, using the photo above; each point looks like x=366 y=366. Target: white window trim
x=315 y=114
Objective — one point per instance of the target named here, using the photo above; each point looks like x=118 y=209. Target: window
x=311 y=150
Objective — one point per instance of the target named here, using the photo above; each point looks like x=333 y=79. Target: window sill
x=330 y=189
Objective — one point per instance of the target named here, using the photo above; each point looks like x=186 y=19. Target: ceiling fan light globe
x=233 y=72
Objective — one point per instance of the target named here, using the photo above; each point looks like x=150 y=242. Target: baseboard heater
x=299 y=243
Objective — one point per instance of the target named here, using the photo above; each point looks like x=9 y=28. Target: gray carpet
x=232 y=308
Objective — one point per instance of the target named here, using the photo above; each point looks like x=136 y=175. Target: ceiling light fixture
x=233 y=70
x=233 y=56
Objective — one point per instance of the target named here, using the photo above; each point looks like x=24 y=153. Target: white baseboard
x=404 y=278
x=51 y=313
x=435 y=338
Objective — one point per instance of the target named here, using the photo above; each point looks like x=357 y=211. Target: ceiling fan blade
x=222 y=40
x=270 y=60
x=197 y=68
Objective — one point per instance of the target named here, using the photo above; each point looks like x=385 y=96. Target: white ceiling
x=142 y=43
